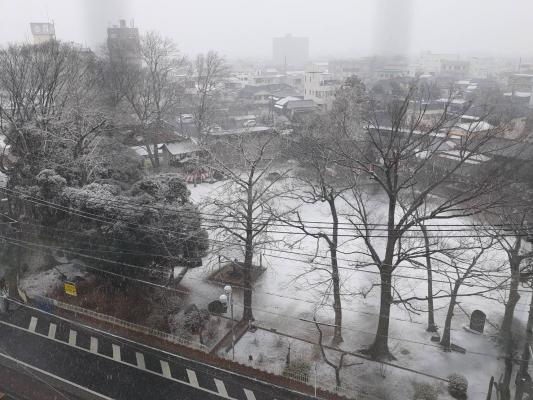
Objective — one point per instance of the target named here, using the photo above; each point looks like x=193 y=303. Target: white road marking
x=166 y=369
x=140 y=360
x=116 y=352
x=249 y=394
x=193 y=380
x=52 y=330
x=221 y=388
x=93 y=348
x=72 y=337
x=33 y=324
x=72 y=341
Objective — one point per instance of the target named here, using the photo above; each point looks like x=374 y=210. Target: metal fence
x=311 y=378
x=314 y=379
x=46 y=304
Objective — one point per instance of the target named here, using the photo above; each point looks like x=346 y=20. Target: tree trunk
x=337 y=305
x=156 y=156
x=446 y=338
x=380 y=347
x=338 y=377
x=247 y=281
x=247 y=314
x=512 y=300
x=506 y=331
x=432 y=327
x=521 y=378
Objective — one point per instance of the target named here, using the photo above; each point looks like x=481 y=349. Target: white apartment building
x=431 y=63
x=320 y=87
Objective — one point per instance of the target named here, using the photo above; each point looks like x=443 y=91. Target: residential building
x=320 y=87
x=180 y=152
x=455 y=68
x=392 y=72
x=342 y=69
x=123 y=42
x=42 y=32
x=290 y=51
x=430 y=63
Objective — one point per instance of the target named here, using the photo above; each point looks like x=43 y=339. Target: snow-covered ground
x=289 y=293
x=43 y=282
x=284 y=300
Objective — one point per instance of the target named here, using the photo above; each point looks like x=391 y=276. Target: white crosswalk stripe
x=221 y=388
x=52 y=331
x=72 y=337
x=249 y=394
x=140 y=360
x=116 y=352
x=166 y=369
x=93 y=348
x=193 y=380
x=33 y=324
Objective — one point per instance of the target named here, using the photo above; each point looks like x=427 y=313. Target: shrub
x=457 y=386
x=425 y=391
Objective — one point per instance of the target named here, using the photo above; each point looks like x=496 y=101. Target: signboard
x=70 y=289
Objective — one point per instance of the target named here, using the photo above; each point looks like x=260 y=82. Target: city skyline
x=342 y=29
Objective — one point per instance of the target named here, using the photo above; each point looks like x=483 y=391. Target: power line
x=271 y=312
x=324 y=224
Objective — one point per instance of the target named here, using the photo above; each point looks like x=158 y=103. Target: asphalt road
x=95 y=365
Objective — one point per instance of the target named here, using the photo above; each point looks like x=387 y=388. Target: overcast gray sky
x=244 y=28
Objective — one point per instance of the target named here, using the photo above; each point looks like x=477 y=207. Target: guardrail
x=44 y=302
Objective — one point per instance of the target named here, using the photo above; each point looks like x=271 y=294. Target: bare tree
x=399 y=145
x=336 y=367
x=509 y=227
x=467 y=265
x=243 y=204
x=208 y=72
x=154 y=89
x=322 y=180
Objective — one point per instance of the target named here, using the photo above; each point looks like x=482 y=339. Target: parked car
x=186 y=118
x=214 y=128
x=250 y=123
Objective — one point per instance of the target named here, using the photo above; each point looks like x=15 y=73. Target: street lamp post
x=228 y=298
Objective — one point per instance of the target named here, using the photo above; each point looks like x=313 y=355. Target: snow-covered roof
x=141 y=151
x=453 y=101
x=518 y=94
x=185 y=147
x=476 y=126
x=285 y=100
x=243 y=117
x=240 y=131
x=470 y=117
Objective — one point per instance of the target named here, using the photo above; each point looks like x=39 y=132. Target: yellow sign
x=70 y=289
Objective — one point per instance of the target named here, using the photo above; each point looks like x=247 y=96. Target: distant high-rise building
x=123 y=42
x=290 y=51
x=42 y=32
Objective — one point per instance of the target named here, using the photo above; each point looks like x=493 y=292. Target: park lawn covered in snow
x=286 y=298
